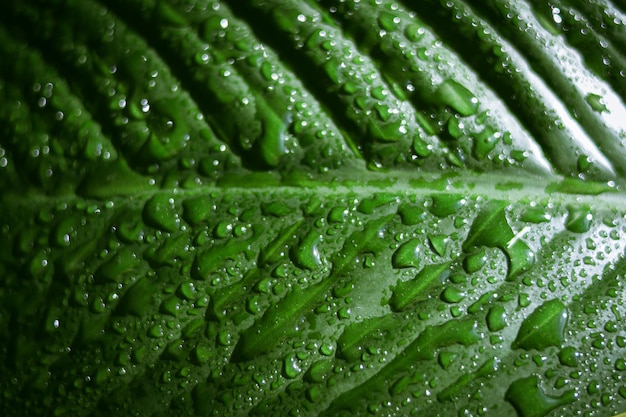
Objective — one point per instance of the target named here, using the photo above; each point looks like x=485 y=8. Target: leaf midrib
x=487 y=185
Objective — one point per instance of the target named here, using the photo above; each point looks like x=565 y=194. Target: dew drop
x=530 y=400
x=496 y=318
x=306 y=254
x=569 y=356
x=414 y=32
x=291 y=367
x=578 y=219
x=452 y=295
x=596 y=102
x=446 y=204
x=544 y=327
x=388 y=21
x=407 y=255
x=456 y=96
x=474 y=262
x=160 y=212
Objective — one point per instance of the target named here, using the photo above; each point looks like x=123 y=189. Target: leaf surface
x=281 y=207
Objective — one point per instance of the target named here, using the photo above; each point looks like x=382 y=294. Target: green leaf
x=282 y=207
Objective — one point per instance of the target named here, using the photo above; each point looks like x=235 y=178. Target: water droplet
x=406 y=293
x=474 y=262
x=332 y=70
x=414 y=32
x=544 y=327
x=306 y=254
x=596 y=102
x=569 y=356
x=138 y=299
x=451 y=332
x=368 y=205
x=201 y=354
x=170 y=306
x=455 y=127
x=271 y=144
x=160 y=212
x=318 y=372
x=421 y=148
x=485 y=142
x=439 y=244
x=388 y=21
x=446 y=204
x=446 y=359
x=187 y=291
x=530 y=400
x=223 y=230
x=496 y=318
x=65 y=231
x=156 y=331
x=410 y=214
x=535 y=215
x=491 y=229
x=338 y=215
x=456 y=96
x=578 y=219
x=382 y=111
x=291 y=367
x=358 y=336
x=407 y=255
x=379 y=93
x=276 y=209
x=452 y=295
x=113 y=270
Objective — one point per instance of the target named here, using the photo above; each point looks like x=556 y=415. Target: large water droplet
x=530 y=400
x=306 y=254
x=578 y=219
x=160 y=212
x=408 y=292
x=114 y=269
x=407 y=255
x=138 y=299
x=291 y=366
x=496 y=318
x=569 y=356
x=446 y=204
x=543 y=327
x=596 y=102
x=456 y=96
x=491 y=228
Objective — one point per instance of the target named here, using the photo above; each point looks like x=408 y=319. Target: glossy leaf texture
x=280 y=207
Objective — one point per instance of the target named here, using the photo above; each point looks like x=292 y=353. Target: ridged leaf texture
x=281 y=207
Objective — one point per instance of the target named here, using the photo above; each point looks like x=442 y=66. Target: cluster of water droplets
x=387 y=303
